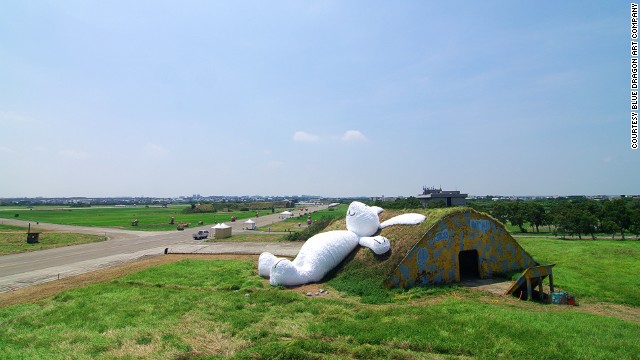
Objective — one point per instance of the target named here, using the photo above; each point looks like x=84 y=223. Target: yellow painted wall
x=434 y=259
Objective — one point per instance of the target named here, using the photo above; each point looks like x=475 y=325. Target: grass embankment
x=149 y=219
x=208 y=309
x=594 y=270
x=13 y=240
x=363 y=273
x=601 y=270
x=299 y=217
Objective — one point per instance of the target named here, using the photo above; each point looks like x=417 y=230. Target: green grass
x=600 y=270
x=291 y=224
x=12 y=227
x=364 y=273
x=13 y=242
x=211 y=309
x=604 y=270
x=149 y=219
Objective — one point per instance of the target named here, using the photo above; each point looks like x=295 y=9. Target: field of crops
x=149 y=218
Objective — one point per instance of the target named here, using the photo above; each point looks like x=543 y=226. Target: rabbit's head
x=363 y=219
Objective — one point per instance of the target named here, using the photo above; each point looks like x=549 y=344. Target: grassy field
x=211 y=309
x=149 y=219
x=221 y=308
x=595 y=270
x=12 y=227
x=13 y=240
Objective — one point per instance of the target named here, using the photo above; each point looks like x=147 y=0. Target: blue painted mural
x=436 y=258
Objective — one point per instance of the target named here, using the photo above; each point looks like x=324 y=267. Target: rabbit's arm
x=378 y=244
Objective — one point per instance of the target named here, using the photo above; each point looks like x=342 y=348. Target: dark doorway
x=448 y=202
x=468 y=264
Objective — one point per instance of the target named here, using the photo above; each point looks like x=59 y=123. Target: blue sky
x=335 y=98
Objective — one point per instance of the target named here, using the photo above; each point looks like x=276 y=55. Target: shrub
x=200 y=208
x=313 y=229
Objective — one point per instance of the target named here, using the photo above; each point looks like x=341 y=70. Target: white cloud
x=302 y=136
x=74 y=154
x=275 y=164
x=12 y=118
x=155 y=150
x=353 y=135
x=7 y=150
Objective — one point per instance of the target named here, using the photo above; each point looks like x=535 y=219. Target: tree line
x=568 y=216
x=212 y=207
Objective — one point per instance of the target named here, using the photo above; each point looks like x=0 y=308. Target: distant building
x=384 y=198
x=449 y=198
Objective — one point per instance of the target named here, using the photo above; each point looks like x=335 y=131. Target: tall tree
x=500 y=211
x=516 y=214
x=617 y=215
x=412 y=203
x=536 y=215
x=634 y=210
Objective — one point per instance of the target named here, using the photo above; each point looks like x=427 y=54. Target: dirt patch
x=623 y=312
x=493 y=286
x=43 y=291
x=314 y=289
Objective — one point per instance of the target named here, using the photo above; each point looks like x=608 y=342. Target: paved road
x=30 y=268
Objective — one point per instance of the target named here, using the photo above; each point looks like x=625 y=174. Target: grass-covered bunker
x=453 y=244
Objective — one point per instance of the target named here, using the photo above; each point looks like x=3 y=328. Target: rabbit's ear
x=404 y=219
x=377 y=209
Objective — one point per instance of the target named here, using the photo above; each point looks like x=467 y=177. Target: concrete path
x=494 y=286
x=19 y=270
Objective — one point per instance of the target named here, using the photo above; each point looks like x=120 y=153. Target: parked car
x=201 y=234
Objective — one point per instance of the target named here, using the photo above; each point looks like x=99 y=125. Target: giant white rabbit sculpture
x=323 y=252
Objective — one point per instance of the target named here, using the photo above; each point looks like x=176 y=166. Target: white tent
x=251 y=225
x=221 y=231
x=286 y=215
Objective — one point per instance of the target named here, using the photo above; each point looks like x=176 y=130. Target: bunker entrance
x=468 y=265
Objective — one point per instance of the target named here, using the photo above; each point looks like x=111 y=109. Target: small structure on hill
x=32 y=237
x=221 y=231
x=250 y=224
x=448 y=198
x=462 y=245
x=451 y=245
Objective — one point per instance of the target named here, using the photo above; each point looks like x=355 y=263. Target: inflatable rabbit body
x=323 y=252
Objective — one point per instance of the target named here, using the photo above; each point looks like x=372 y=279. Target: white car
x=201 y=234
